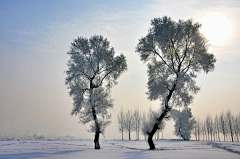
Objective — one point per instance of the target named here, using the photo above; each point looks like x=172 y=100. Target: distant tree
x=198 y=129
x=143 y=124
x=129 y=123
x=237 y=126
x=209 y=126
x=195 y=130
x=184 y=123
x=214 y=131
x=121 y=121
x=217 y=126
x=93 y=69
x=222 y=124
x=175 y=52
x=137 y=121
x=229 y=123
x=204 y=131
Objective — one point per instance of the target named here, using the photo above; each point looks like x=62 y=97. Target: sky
x=35 y=37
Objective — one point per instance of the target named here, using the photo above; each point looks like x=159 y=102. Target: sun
x=216 y=28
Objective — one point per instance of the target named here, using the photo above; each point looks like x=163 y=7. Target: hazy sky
x=36 y=34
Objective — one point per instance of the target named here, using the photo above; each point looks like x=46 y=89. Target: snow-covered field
x=57 y=149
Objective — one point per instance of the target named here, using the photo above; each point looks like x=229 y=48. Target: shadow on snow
x=35 y=154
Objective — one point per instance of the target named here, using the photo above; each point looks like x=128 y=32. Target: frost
x=93 y=69
x=175 y=52
x=184 y=123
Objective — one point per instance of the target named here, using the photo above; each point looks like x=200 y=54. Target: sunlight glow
x=216 y=28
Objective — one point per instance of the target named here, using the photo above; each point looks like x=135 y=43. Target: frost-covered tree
x=184 y=123
x=175 y=52
x=129 y=123
x=121 y=121
x=93 y=68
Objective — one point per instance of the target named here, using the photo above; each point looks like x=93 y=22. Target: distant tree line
x=222 y=127
x=129 y=122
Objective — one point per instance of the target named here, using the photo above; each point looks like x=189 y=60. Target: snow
x=71 y=149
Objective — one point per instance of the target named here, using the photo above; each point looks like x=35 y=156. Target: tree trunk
x=136 y=135
x=129 y=135
x=96 y=139
x=138 y=129
x=97 y=128
x=150 y=142
x=97 y=131
x=122 y=134
x=179 y=130
x=162 y=116
x=155 y=128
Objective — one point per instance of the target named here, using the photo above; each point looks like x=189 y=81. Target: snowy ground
x=27 y=149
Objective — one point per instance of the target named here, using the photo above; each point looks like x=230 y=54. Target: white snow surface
x=71 y=149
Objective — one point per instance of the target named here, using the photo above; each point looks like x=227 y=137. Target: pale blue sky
x=35 y=36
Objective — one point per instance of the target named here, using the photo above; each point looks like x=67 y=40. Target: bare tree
x=129 y=123
x=222 y=125
x=204 y=130
x=195 y=130
x=236 y=126
x=175 y=52
x=209 y=126
x=143 y=123
x=217 y=126
x=198 y=129
x=93 y=69
x=137 y=121
x=230 y=123
x=121 y=121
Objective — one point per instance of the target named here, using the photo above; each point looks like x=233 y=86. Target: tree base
x=97 y=146
x=150 y=143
